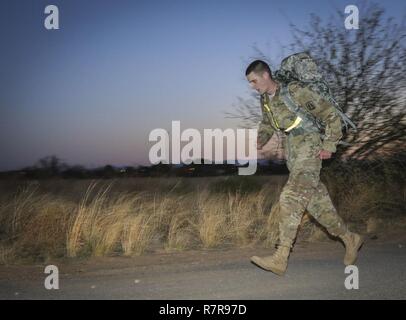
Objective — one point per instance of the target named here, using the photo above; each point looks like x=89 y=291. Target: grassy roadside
x=57 y=219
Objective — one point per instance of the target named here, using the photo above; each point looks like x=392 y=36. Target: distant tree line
x=53 y=167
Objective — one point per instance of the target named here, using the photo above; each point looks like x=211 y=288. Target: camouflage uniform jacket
x=279 y=117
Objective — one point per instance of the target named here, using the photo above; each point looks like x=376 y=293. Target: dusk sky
x=92 y=91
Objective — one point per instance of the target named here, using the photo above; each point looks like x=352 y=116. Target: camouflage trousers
x=305 y=191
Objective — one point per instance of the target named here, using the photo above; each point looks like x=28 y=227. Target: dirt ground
x=223 y=273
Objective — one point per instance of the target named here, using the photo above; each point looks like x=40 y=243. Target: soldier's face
x=259 y=82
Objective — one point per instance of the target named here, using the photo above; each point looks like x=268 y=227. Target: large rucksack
x=301 y=67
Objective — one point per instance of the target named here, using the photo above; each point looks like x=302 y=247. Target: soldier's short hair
x=258 y=67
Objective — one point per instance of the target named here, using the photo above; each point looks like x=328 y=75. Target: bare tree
x=51 y=165
x=366 y=70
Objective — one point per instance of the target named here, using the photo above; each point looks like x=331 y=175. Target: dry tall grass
x=34 y=224
x=106 y=220
x=102 y=226
x=213 y=223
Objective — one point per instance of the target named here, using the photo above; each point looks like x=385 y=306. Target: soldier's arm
x=322 y=110
x=265 y=130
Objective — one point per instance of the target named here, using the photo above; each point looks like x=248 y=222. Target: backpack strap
x=309 y=123
x=314 y=85
x=347 y=121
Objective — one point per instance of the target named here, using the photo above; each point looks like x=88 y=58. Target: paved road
x=315 y=272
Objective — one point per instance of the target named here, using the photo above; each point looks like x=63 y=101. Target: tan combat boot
x=277 y=263
x=353 y=243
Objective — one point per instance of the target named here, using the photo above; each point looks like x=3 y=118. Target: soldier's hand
x=324 y=154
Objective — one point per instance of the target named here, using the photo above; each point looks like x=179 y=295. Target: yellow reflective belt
x=297 y=121
x=273 y=118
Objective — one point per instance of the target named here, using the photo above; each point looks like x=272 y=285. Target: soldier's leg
x=304 y=169
x=295 y=197
x=322 y=209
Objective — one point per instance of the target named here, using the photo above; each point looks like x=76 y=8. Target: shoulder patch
x=310 y=105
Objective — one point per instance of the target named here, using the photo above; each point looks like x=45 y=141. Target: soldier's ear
x=267 y=76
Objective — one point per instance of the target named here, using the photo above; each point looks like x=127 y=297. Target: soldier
x=304 y=150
